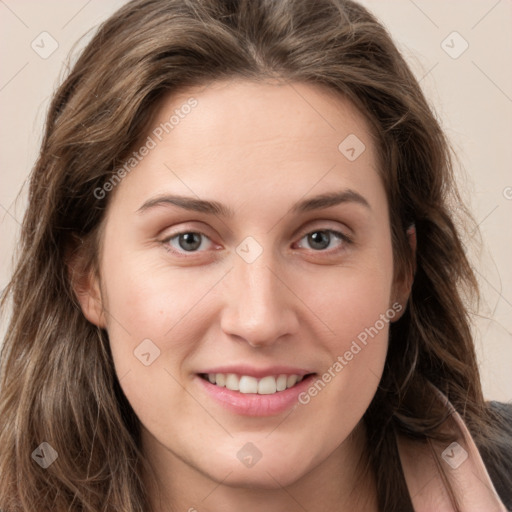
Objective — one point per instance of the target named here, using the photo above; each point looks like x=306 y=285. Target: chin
x=277 y=465
x=264 y=477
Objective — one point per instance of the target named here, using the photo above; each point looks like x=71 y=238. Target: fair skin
x=257 y=148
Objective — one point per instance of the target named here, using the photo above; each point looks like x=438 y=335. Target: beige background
x=471 y=93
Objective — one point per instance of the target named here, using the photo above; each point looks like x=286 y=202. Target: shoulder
x=497 y=452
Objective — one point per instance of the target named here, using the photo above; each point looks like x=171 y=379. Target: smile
x=267 y=385
x=265 y=393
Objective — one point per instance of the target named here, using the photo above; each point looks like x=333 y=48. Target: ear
x=402 y=287
x=85 y=284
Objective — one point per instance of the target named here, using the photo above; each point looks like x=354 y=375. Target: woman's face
x=251 y=245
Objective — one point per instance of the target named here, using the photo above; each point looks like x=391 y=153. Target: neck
x=341 y=482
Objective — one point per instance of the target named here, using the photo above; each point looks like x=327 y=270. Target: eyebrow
x=318 y=202
x=330 y=199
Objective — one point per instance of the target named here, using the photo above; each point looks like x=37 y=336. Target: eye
x=186 y=241
x=321 y=239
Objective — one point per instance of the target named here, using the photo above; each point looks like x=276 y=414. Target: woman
x=310 y=349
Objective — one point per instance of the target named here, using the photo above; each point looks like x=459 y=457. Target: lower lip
x=253 y=404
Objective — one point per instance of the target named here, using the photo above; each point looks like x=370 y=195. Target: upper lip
x=257 y=372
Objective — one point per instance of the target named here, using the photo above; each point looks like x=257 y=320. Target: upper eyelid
x=332 y=226
x=300 y=233
x=307 y=231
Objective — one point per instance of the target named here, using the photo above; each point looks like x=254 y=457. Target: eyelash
x=342 y=237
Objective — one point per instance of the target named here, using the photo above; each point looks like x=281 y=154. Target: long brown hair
x=58 y=383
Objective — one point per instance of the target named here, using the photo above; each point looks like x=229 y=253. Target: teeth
x=246 y=384
x=281 y=383
x=232 y=382
x=291 y=380
x=267 y=386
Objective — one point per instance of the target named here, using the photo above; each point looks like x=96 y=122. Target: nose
x=259 y=304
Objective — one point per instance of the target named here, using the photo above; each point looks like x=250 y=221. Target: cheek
x=151 y=300
x=356 y=305
x=156 y=321
x=146 y=339
x=351 y=300
x=358 y=315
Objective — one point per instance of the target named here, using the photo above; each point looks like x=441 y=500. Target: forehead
x=237 y=135
x=238 y=113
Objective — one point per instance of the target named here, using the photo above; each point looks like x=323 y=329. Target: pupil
x=190 y=238
x=319 y=238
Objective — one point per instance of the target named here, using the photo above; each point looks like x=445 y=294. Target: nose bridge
x=259 y=307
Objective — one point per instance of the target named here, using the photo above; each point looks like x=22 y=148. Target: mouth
x=254 y=395
x=247 y=384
